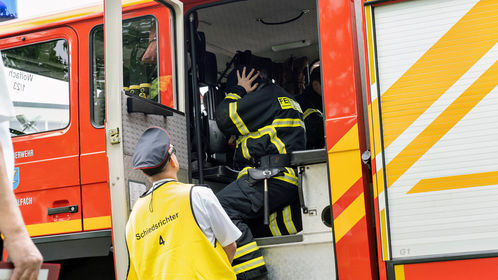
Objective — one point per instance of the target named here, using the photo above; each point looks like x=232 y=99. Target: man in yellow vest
x=175 y=230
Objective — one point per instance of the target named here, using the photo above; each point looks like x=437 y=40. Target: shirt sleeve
x=214 y=217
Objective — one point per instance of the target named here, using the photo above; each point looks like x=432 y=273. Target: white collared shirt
x=210 y=215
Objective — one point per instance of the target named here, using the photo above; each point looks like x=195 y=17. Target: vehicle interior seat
x=213 y=139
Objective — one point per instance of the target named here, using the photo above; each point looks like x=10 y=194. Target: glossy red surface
x=355 y=252
x=53 y=167
x=472 y=269
x=34 y=205
x=91 y=194
x=351 y=253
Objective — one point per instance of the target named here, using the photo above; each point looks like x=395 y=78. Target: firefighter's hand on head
x=246 y=81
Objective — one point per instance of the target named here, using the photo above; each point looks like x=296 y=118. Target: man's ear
x=174 y=161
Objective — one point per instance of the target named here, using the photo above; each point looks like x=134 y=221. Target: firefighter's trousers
x=243 y=202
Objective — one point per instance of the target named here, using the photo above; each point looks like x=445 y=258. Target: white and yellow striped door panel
x=436 y=75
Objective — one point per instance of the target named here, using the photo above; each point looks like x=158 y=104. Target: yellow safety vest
x=167 y=243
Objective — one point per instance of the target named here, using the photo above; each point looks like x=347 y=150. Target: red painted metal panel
x=355 y=252
x=34 y=206
x=97 y=202
x=48 y=173
x=473 y=269
x=94 y=168
x=353 y=260
x=336 y=128
x=49 y=167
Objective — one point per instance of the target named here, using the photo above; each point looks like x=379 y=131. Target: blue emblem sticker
x=15 y=183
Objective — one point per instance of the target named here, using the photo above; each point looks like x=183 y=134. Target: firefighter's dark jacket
x=266 y=121
x=311 y=104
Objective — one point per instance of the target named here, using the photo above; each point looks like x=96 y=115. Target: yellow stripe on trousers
x=246 y=249
x=246 y=266
x=438 y=69
x=442 y=124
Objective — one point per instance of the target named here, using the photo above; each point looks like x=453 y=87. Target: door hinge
x=114 y=137
x=366 y=158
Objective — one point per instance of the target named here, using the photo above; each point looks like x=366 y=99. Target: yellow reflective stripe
x=97 y=223
x=276 y=141
x=291 y=171
x=441 y=125
x=456 y=182
x=246 y=266
x=275 y=231
x=236 y=119
x=289 y=225
x=368 y=16
x=267 y=130
x=243 y=172
x=399 y=272
x=450 y=57
x=275 y=123
x=349 y=217
x=271 y=131
x=383 y=234
x=311 y=111
x=54 y=227
x=245 y=150
x=233 y=96
x=287 y=123
x=289 y=176
x=246 y=249
x=243 y=247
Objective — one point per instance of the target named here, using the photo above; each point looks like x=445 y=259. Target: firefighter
x=176 y=231
x=268 y=124
x=312 y=106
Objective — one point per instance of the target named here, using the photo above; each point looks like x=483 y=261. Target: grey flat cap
x=152 y=148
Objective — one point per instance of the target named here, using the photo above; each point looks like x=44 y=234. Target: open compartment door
x=128 y=114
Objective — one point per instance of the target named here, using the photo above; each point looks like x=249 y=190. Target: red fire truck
x=404 y=189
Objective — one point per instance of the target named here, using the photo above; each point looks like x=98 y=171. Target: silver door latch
x=114 y=136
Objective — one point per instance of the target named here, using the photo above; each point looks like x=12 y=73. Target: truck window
x=140 y=64
x=38 y=80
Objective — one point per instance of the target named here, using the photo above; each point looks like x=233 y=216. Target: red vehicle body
x=68 y=167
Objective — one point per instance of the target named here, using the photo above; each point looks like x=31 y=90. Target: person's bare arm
x=230 y=250
x=20 y=248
